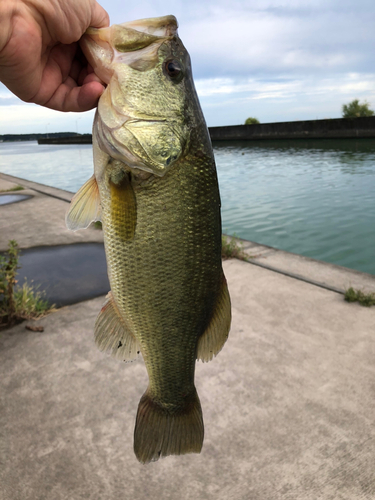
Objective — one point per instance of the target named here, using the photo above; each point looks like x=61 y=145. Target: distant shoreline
x=336 y=128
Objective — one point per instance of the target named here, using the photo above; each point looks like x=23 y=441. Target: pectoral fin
x=84 y=207
x=113 y=335
x=216 y=334
x=123 y=208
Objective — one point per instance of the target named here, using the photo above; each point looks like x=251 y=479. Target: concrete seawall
x=341 y=128
x=84 y=139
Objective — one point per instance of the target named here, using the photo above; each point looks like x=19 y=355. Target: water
x=314 y=198
x=65 y=167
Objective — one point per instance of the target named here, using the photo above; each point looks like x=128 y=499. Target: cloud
x=23 y=118
x=278 y=60
x=352 y=83
x=255 y=42
x=229 y=101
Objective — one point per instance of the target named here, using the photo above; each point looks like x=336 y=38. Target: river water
x=314 y=198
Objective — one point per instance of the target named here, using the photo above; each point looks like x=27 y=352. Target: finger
x=90 y=77
x=70 y=97
x=99 y=17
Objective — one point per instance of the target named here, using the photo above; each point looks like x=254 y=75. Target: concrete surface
x=315 y=271
x=39 y=220
x=67 y=274
x=289 y=405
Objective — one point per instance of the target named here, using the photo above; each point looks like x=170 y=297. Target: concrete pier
x=289 y=403
x=337 y=128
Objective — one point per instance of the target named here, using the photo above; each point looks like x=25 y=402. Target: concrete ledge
x=316 y=272
x=40 y=220
x=60 y=194
x=340 y=128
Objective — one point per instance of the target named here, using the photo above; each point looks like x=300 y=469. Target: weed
x=98 y=224
x=365 y=299
x=30 y=303
x=8 y=272
x=22 y=303
x=16 y=188
x=231 y=248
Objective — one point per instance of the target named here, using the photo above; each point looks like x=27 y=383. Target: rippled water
x=315 y=198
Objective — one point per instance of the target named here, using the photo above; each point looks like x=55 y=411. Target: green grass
x=365 y=299
x=232 y=249
x=16 y=188
x=31 y=303
x=17 y=304
x=98 y=224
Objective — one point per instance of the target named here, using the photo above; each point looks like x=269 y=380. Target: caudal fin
x=159 y=433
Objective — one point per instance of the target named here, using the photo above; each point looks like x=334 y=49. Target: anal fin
x=213 y=339
x=112 y=334
x=84 y=207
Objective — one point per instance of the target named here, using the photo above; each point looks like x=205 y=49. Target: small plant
x=232 y=248
x=354 y=109
x=365 y=299
x=252 y=121
x=15 y=188
x=17 y=304
x=8 y=272
x=98 y=224
x=30 y=303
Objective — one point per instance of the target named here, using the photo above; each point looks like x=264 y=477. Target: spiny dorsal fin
x=216 y=334
x=84 y=207
x=113 y=335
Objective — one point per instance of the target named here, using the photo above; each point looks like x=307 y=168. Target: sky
x=276 y=60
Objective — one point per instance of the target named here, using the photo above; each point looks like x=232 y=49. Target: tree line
x=353 y=109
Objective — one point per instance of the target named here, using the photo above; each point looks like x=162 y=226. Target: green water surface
x=314 y=198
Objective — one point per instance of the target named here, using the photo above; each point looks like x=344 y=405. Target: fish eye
x=174 y=69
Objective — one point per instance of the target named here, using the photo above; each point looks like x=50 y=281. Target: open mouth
x=128 y=42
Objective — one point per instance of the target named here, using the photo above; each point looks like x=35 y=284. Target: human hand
x=40 y=59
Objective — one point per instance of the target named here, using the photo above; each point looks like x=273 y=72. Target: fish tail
x=160 y=432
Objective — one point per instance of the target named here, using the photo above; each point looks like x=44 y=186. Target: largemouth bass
x=155 y=190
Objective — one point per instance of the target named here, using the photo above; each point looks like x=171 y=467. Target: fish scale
x=171 y=290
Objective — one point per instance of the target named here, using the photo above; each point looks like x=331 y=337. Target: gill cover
x=140 y=118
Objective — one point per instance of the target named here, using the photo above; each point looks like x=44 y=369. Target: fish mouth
x=157 y=26
x=126 y=42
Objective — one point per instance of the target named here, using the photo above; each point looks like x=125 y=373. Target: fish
x=155 y=189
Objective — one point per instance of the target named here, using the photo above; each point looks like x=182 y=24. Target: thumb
x=99 y=16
